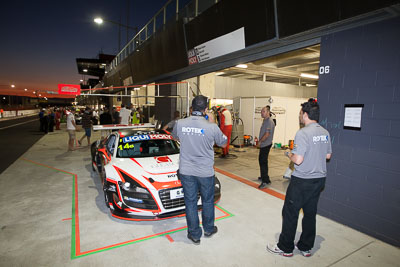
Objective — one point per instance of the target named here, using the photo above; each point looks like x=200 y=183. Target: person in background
x=135 y=117
x=86 y=125
x=105 y=119
x=171 y=124
x=197 y=137
x=115 y=116
x=41 y=120
x=312 y=148
x=95 y=117
x=125 y=115
x=58 y=118
x=45 y=121
x=52 y=118
x=226 y=127
x=71 y=128
x=266 y=135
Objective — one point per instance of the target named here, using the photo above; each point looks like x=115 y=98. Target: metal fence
x=169 y=12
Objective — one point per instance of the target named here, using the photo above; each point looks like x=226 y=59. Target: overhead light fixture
x=25 y=89
x=98 y=20
x=310 y=85
x=243 y=66
x=85 y=70
x=81 y=80
x=219 y=73
x=307 y=75
x=40 y=95
x=103 y=64
x=136 y=88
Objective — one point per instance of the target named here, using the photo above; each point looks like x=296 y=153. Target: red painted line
x=252 y=184
x=77 y=232
x=169 y=238
x=66 y=219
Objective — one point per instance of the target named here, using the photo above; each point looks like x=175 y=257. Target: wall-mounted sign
x=222 y=45
x=69 y=89
x=352 y=116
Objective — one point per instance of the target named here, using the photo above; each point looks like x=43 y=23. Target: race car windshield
x=129 y=148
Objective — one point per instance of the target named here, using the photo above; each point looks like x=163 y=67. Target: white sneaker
x=305 y=253
x=277 y=251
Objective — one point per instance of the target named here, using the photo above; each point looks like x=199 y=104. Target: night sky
x=40 y=40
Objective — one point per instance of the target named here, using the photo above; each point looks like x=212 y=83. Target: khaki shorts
x=71 y=134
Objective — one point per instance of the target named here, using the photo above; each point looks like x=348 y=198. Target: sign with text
x=220 y=46
x=69 y=89
x=352 y=116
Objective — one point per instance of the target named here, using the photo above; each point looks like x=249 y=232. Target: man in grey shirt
x=312 y=148
x=266 y=136
x=197 y=137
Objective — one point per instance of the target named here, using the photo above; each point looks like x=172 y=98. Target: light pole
x=100 y=21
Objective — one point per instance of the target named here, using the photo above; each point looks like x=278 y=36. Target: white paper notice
x=352 y=117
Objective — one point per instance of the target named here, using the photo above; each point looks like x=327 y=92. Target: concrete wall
x=363 y=185
x=230 y=88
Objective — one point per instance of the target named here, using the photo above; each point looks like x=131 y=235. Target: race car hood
x=158 y=165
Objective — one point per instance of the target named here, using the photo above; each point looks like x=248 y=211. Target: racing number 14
x=127 y=146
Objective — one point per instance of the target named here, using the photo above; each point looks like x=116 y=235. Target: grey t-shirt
x=171 y=124
x=267 y=126
x=197 y=137
x=312 y=142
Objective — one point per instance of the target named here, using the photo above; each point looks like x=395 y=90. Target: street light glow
x=25 y=89
x=98 y=20
x=12 y=85
x=85 y=70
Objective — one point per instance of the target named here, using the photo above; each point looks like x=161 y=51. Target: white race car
x=138 y=167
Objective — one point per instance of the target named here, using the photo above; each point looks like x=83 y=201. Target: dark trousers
x=263 y=161
x=301 y=194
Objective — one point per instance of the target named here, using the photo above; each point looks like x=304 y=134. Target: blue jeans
x=301 y=194
x=191 y=186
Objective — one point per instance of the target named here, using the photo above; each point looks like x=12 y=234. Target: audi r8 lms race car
x=137 y=165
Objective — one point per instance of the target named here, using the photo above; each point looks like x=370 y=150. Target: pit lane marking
x=75 y=234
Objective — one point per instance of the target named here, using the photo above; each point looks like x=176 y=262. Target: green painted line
x=73 y=241
x=73 y=222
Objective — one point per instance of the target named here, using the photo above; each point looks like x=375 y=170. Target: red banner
x=69 y=89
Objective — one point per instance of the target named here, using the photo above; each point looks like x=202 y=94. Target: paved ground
x=16 y=137
x=53 y=214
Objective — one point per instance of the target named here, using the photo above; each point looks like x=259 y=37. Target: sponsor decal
x=192 y=130
x=133 y=138
x=320 y=138
x=171 y=175
x=162 y=159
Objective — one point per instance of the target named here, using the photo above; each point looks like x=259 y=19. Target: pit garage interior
x=58 y=217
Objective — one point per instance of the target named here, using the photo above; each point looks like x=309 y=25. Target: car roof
x=137 y=131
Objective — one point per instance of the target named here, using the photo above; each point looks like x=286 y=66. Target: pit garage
x=60 y=215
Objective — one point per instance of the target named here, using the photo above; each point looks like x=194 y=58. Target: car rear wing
x=122 y=126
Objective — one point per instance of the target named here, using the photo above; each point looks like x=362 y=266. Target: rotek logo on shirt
x=192 y=130
x=320 y=138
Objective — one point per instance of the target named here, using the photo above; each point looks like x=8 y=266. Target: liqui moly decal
x=133 y=138
x=129 y=139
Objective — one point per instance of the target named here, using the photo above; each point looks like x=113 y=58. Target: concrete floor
x=53 y=214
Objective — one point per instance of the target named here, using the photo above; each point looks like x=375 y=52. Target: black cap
x=199 y=103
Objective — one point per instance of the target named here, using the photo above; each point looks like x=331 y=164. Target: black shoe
x=214 y=231
x=222 y=156
x=259 y=178
x=263 y=185
x=195 y=241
